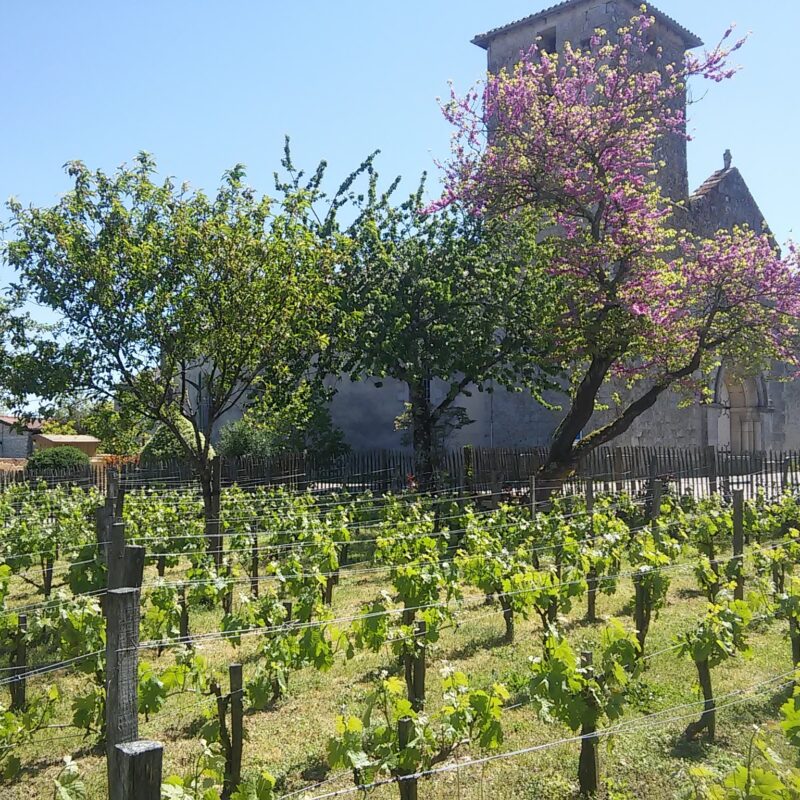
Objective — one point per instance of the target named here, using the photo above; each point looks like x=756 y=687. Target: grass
x=290 y=741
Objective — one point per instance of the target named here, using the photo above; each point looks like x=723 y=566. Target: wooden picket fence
x=462 y=470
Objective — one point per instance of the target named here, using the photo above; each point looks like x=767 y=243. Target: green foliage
x=18 y=728
x=68 y=783
x=719 y=635
x=297 y=422
x=166 y=445
x=581 y=695
x=168 y=298
x=58 y=458
x=442 y=296
x=369 y=745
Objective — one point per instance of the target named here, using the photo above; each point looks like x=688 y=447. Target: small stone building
x=16 y=436
x=747 y=413
x=82 y=442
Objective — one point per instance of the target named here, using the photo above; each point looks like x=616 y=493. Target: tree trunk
x=708 y=719
x=161 y=566
x=423 y=435
x=211 y=521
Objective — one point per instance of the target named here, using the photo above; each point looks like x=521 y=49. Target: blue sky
x=204 y=84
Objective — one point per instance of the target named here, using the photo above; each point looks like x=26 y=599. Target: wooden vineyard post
x=254 y=567
x=122 y=666
x=738 y=542
x=420 y=631
x=618 y=468
x=115 y=555
x=589 y=761
x=234 y=776
x=139 y=770
x=591 y=575
x=184 y=618
x=533 y=497
x=405 y=732
x=657 y=494
x=711 y=464
x=214 y=524
x=19 y=686
x=469 y=470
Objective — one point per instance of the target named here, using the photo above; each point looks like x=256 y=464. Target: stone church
x=752 y=413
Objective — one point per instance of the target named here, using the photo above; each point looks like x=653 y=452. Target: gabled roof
x=690 y=39
x=712 y=182
x=30 y=426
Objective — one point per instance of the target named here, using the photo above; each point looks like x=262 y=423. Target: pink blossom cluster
x=574 y=137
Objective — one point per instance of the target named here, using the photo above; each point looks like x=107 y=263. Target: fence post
x=122 y=666
x=19 y=686
x=139 y=770
x=738 y=542
x=785 y=475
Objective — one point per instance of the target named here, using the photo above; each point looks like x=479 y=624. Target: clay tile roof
x=28 y=425
x=690 y=39
x=711 y=183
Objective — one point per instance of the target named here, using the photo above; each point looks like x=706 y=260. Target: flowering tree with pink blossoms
x=572 y=140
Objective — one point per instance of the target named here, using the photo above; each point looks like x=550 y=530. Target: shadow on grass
x=687 y=593
x=314 y=769
x=478 y=645
x=84 y=751
x=694 y=750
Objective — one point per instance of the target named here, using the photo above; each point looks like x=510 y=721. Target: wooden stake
x=122 y=678
x=234 y=777
x=139 y=767
x=19 y=686
x=589 y=761
x=738 y=542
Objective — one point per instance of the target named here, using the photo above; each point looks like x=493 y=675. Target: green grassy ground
x=290 y=740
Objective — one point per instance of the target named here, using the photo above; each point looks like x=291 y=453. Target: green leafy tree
x=441 y=298
x=182 y=304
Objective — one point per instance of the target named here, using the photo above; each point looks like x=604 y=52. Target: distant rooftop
x=67 y=438
x=30 y=425
x=690 y=39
